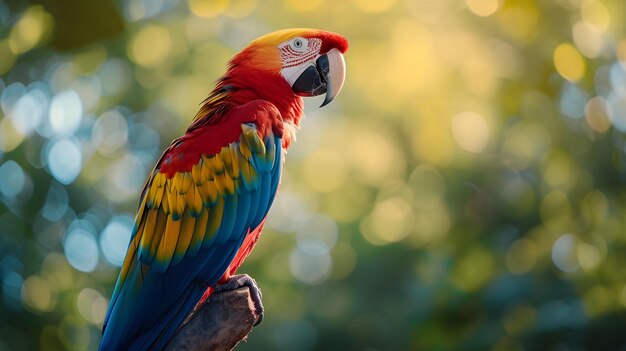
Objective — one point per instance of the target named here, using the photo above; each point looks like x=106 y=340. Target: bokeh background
x=466 y=190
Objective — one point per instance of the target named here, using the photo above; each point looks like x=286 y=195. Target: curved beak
x=326 y=76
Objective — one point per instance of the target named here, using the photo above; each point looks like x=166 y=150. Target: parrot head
x=309 y=61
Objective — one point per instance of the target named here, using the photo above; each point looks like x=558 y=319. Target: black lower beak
x=326 y=76
x=314 y=80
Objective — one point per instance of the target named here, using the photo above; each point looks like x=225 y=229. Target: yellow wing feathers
x=180 y=213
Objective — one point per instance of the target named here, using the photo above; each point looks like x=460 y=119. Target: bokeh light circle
x=12 y=179
x=66 y=110
x=114 y=239
x=64 y=158
x=81 y=250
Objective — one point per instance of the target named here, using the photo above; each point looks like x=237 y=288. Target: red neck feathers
x=243 y=83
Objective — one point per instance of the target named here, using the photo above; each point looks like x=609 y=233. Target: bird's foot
x=243 y=280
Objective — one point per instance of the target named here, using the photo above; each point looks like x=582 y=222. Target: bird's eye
x=299 y=44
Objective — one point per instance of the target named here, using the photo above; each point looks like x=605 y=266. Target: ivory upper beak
x=336 y=75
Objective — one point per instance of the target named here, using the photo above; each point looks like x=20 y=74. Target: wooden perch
x=219 y=324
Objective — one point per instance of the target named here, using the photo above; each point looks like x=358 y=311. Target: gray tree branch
x=219 y=324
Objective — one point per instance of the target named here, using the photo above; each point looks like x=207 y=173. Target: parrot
x=203 y=206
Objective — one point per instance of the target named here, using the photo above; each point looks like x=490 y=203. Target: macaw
x=203 y=206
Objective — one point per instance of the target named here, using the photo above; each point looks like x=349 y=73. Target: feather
x=184 y=237
x=244 y=148
x=220 y=183
x=213 y=192
x=198 y=232
x=167 y=245
x=165 y=202
x=228 y=220
x=157 y=236
x=194 y=201
x=186 y=182
x=214 y=222
x=206 y=169
x=252 y=139
x=234 y=171
x=158 y=196
x=147 y=230
x=196 y=173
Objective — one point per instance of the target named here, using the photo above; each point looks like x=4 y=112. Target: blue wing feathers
x=243 y=212
x=228 y=219
x=147 y=309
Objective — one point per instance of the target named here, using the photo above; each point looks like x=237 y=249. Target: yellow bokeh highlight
x=568 y=62
x=479 y=75
x=10 y=138
x=555 y=211
x=182 y=94
x=241 y=8
x=390 y=221
x=37 y=295
x=208 y=8
x=557 y=169
x=473 y=270
x=598 y=114
x=596 y=14
x=8 y=58
x=34 y=25
x=432 y=143
x=521 y=256
x=588 y=39
x=92 y=306
x=218 y=53
x=411 y=63
x=588 y=256
x=518 y=19
x=303 y=6
x=374 y=6
x=483 y=7
x=324 y=170
x=524 y=143
x=349 y=203
x=470 y=131
x=374 y=156
x=150 y=46
x=372 y=60
x=199 y=31
x=57 y=272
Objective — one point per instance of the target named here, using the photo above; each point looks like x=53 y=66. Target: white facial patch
x=296 y=55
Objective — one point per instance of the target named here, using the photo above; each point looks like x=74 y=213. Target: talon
x=259 y=318
x=243 y=280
